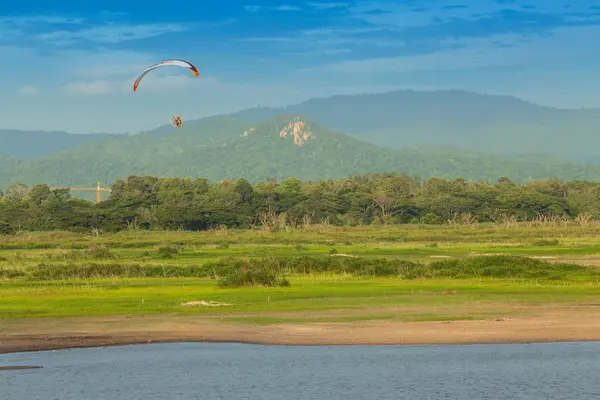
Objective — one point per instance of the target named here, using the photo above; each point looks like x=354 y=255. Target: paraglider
x=180 y=63
x=176 y=120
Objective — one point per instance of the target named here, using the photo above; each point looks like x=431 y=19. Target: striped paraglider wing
x=179 y=63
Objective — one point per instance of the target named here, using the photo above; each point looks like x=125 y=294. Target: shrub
x=99 y=251
x=168 y=251
x=263 y=278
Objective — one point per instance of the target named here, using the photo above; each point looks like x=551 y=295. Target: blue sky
x=69 y=65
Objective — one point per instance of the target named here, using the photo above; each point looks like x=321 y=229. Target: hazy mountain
x=281 y=147
x=403 y=120
x=501 y=124
x=30 y=144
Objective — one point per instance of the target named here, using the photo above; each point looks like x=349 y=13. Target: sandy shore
x=541 y=324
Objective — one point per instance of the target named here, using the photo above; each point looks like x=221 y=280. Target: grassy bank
x=405 y=273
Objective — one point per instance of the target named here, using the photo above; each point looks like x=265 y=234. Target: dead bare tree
x=583 y=218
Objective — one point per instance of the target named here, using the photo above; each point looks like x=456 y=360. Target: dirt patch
x=18 y=367
x=540 y=324
x=343 y=255
x=202 y=303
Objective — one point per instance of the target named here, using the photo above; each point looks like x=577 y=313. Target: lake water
x=238 y=371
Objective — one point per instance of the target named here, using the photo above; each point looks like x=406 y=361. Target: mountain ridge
x=27 y=144
x=476 y=122
x=229 y=149
x=402 y=119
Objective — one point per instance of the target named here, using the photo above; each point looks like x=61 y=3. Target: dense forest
x=147 y=202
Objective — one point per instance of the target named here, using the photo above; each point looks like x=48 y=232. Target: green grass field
x=354 y=273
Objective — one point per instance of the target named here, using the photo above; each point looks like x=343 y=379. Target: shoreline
x=71 y=345
x=544 y=325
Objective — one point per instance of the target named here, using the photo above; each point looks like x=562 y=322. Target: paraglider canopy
x=179 y=63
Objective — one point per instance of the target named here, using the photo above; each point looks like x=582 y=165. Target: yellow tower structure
x=98 y=189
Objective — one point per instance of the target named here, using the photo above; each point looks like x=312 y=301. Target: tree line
x=147 y=202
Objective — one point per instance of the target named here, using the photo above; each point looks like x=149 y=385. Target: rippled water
x=237 y=371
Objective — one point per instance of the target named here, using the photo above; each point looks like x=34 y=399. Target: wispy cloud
x=105 y=64
x=265 y=39
x=325 y=5
x=436 y=12
x=110 y=34
x=29 y=21
x=320 y=52
x=156 y=82
x=285 y=7
x=28 y=90
x=535 y=50
x=89 y=88
x=339 y=31
x=13 y=27
x=462 y=59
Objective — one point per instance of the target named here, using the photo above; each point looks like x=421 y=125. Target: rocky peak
x=297 y=129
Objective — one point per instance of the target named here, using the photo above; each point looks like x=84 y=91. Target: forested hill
x=31 y=144
x=501 y=124
x=400 y=119
x=281 y=147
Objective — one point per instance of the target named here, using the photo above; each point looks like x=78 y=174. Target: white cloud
x=28 y=90
x=470 y=58
x=320 y=52
x=106 y=64
x=110 y=34
x=90 y=88
x=340 y=31
x=415 y=14
x=285 y=7
x=325 y=5
x=155 y=82
x=12 y=27
x=565 y=47
x=265 y=39
x=29 y=21
x=347 y=37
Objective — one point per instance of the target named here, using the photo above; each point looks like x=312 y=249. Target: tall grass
x=268 y=271
x=525 y=233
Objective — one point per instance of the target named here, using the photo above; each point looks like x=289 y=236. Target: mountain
x=31 y=144
x=408 y=119
x=403 y=119
x=280 y=147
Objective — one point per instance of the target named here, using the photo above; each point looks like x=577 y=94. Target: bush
x=99 y=252
x=234 y=272
x=6 y=228
x=511 y=267
x=263 y=278
x=168 y=251
x=552 y=242
x=431 y=219
x=11 y=273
